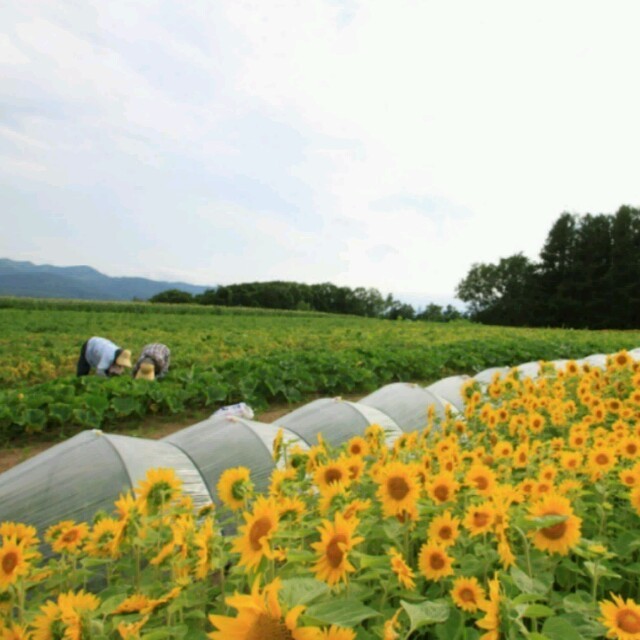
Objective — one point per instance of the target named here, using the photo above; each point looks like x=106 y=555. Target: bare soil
x=154 y=428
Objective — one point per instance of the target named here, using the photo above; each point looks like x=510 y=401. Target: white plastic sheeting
x=449 y=389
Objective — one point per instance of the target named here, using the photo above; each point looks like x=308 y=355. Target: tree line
x=587 y=277
x=325 y=297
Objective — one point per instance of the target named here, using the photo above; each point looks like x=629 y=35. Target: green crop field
x=221 y=356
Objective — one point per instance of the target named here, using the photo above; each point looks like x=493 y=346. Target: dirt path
x=153 y=428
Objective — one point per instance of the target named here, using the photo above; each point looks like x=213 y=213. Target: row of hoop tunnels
x=87 y=473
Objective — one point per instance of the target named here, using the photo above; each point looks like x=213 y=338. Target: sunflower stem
x=527 y=555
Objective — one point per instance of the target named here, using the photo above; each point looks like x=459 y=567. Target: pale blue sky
x=368 y=143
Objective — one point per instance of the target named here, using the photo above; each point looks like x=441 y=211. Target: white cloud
x=481 y=121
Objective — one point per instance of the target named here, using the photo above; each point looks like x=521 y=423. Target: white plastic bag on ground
x=240 y=409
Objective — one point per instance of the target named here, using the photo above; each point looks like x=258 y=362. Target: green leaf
x=344 y=613
x=525 y=583
x=559 y=628
x=536 y=611
x=426 y=612
x=297 y=591
x=603 y=572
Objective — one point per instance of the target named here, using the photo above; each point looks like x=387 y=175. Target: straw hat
x=124 y=358
x=146 y=372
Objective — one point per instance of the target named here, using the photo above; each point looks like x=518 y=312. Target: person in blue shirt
x=106 y=357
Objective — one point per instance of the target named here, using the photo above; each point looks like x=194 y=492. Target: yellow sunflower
x=444 y=529
x=102 y=541
x=630 y=447
x=443 y=488
x=491 y=607
x=14 y=631
x=467 y=594
x=601 y=461
x=336 y=540
x=634 y=497
x=158 y=489
x=358 y=446
x=356 y=466
x=434 y=562
x=332 y=472
x=621 y=618
x=481 y=478
x=336 y=633
x=260 y=617
x=403 y=571
x=21 y=533
x=234 y=486
x=253 y=543
x=279 y=478
x=203 y=540
x=479 y=518
x=14 y=562
x=291 y=508
x=561 y=537
x=67 y=536
x=398 y=490
x=48 y=624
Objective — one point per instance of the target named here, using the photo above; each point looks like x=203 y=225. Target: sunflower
x=398 y=490
x=444 y=529
x=336 y=540
x=278 y=479
x=601 y=461
x=356 y=466
x=504 y=551
x=131 y=630
x=354 y=507
x=277 y=446
x=132 y=604
x=255 y=535
x=203 y=540
x=434 y=562
x=479 y=518
x=332 y=472
x=21 y=533
x=621 y=618
x=336 y=633
x=14 y=632
x=391 y=627
x=291 y=508
x=443 y=488
x=570 y=460
x=491 y=608
x=620 y=360
x=102 y=541
x=14 y=562
x=331 y=497
x=67 y=536
x=158 y=489
x=467 y=594
x=403 y=571
x=521 y=456
x=48 y=625
x=260 y=617
x=561 y=537
x=630 y=447
x=358 y=446
x=481 y=478
x=234 y=486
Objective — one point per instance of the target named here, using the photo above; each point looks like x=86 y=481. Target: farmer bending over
x=107 y=358
x=153 y=362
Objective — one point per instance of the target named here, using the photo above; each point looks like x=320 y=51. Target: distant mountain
x=46 y=281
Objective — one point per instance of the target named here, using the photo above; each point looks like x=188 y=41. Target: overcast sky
x=378 y=143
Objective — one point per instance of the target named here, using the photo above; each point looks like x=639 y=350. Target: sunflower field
x=222 y=356
x=515 y=519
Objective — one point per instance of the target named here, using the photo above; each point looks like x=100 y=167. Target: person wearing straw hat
x=153 y=362
x=106 y=357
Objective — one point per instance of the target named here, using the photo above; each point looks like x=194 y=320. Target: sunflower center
x=398 y=488
x=436 y=561
x=265 y=627
x=481 y=518
x=159 y=494
x=555 y=532
x=481 y=483
x=259 y=529
x=70 y=536
x=332 y=475
x=628 y=621
x=356 y=449
x=445 y=533
x=237 y=490
x=632 y=449
x=602 y=458
x=9 y=562
x=467 y=595
x=334 y=552
x=441 y=492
